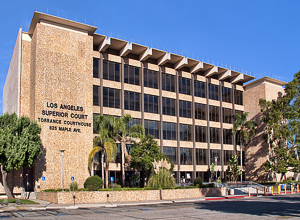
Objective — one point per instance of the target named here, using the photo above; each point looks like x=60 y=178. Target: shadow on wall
x=26 y=177
x=257 y=152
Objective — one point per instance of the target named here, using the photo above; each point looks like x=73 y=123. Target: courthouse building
x=62 y=74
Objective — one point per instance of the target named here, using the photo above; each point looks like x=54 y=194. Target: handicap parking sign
x=72 y=178
x=112 y=178
x=43 y=178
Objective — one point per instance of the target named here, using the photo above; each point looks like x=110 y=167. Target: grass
x=25 y=201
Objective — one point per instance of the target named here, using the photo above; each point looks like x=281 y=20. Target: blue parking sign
x=72 y=178
x=112 y=178
x=43 y=178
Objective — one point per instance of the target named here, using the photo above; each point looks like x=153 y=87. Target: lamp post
x=62 y=168
x=216 y=160
x=276 y=169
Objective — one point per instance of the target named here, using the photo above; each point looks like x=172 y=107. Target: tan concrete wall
x=130 y=196
x=11 y=93
x=61 y=74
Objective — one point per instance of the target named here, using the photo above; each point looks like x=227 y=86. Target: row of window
x=186 y=155
x=111 y=98
x=111 y=71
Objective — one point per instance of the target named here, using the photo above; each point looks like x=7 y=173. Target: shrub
x=180 y=187
x=75 y=185
x=162 y=179
x=93 y=183
x=198 y=181
x=192 y=187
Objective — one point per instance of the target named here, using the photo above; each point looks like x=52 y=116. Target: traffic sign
x=72 y=178
x=112 y=178
x=43 y=178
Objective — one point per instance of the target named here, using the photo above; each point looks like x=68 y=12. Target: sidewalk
x=44 y=205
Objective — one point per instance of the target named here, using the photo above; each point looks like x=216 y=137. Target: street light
x=62 y=168
x=216 y=160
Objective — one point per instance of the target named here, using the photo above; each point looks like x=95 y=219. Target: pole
x=292 y=189
x=112 y=193
x=62 y=168
x=284 y=188
x=249 y=192
x=241 y=163
x=44 y=193
x=278 y=192
x=297 y=188
x=272 y=190
x=265 y=193
x=73 y=194
x=256 y=191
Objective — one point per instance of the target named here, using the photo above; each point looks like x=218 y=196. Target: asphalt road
x=269 y=207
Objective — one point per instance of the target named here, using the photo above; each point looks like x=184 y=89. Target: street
x=269 y=207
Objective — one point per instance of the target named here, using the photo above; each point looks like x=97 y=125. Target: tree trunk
x=106 y=175
x=241 y=160
x=102 y=167
x=123 y=161
x=6 y=188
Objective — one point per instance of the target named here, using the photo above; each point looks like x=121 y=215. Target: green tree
x=144 y=153
x=242 y=127
x=20 y=145
x=233 y=169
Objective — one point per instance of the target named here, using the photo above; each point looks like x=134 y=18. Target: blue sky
x=257 y=37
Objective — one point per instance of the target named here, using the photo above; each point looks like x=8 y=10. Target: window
x=199 y=89
x=96 y=95
x=184 y=86
x=132 y=101
x=213 y=91
x=168 y=106
x=227 y=136
x=169 y=131
x=119 y=154
x=186 y=156
x=215 y=135
x=131 y=75
x=227 y=115
x=151 y=78
x=214 y=113
x=227 y=156
x=200 y=133
x=150 y=103
x=200 y=111
x=215 y=154
x=171 y=152
x=201 y=156
x=168 y=82
x=111 y=97
x=152 y=128
x=238 y=97
x=96 y=68
x=111 y=71
x=185 y=132
x=135 y=121
x=226 y=94
x=185 y=109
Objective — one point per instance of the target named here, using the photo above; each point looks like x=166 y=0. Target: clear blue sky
x=260 y=37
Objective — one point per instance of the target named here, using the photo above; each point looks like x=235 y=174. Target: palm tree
x=111 y=130
x=104 y=143
x=124 y=131
x=242 y=126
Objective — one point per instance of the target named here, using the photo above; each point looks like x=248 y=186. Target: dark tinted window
x=185 y=132
x=213 y=91
x=168 y=106
x=111 y=97
x=151 y=78
x=215 y=135
x=226 y=94
x=227 y=136
x=185 y=109
x=199 y=89
x=96 y=68
x=169 y=131
x=171 y=152
x=186 y=155
x=227 y=115
x=111 y=71
x=201 y=156
x=227 y=156
x=131 y=75
x=215 y=154
x=200 y=133
x=238 y=97
x=200 y=111
x=152 y=128
x=184 y=85
x=150 y=103
x=214 y=113
x=168 y=82
x=132 y=100
x=96 y=95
